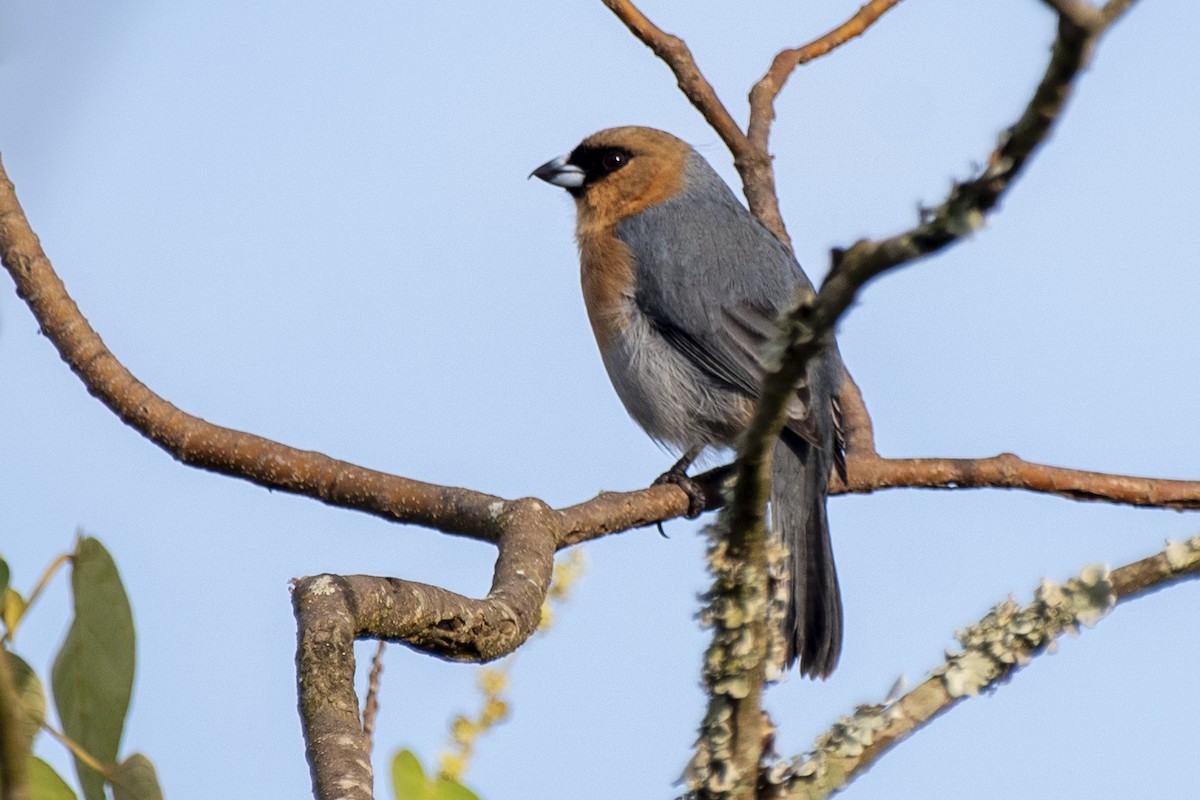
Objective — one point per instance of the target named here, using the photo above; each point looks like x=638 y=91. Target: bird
x=682 y=287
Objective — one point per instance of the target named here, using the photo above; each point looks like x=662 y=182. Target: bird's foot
x=677 y=475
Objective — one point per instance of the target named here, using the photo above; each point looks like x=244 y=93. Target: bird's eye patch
x=599 y=162
x=613 y=160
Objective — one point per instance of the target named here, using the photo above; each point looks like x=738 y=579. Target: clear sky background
x=312 y=221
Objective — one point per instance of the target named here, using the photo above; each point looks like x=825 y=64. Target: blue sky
x=312 y=221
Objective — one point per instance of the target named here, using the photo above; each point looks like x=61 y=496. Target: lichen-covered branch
x=1005 y=640
x=807 y=326
x=806 y=329
x=198 y=443
x=333 y=611
x=735 y=730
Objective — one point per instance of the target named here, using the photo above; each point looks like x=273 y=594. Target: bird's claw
x=697 y=499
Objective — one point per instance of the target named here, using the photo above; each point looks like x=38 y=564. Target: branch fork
x=333 y=611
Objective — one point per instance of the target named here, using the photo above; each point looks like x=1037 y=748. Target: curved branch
x=993 y=649
x=193 y=441
x=333 y=611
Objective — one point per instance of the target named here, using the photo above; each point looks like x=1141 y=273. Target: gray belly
x=672 y=399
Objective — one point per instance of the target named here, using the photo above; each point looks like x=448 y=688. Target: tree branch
x=371 y=703
x=198 y=443
x=1006 y=471
x=764 y=93
x=752 y=163
x=1080 y=13
x=810 y=322
x=740 y=645
x=1005 y=640
x=751 y=156
x=675 y=53
x=332 y=611
x=464 y=512
x=858 y=430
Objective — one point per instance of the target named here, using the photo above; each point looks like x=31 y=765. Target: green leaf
x=136 y=779
x=4 y=575
x=408 y=777
x=45 y=783
x=409 y=782
x=446 y=789
x=93 y=671
x=32 y=696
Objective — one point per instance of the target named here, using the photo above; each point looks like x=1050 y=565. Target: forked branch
x=751 y=157
x=333 y=611
x=764 y=93
x=744 y=736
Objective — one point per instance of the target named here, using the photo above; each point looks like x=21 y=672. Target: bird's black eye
x=598 y=162
x=613 y=160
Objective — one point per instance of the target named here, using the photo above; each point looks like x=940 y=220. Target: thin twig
x=371 y=703
x=1080 y=13
x=751 y=156
x=61 y=559
x=764 y=93
x=752 y=163
x=1113 y=9
x=106 y=771
x=675 y=53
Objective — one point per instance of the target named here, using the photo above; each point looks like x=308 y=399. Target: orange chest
x=606 y=271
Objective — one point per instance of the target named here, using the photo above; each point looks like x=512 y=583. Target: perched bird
x=682 y=287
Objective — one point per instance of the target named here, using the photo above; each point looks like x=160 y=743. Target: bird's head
x=619 y=172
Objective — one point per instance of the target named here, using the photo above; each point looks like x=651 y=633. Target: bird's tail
x=813 y=622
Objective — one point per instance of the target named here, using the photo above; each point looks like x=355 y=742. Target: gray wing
x=712 y=280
